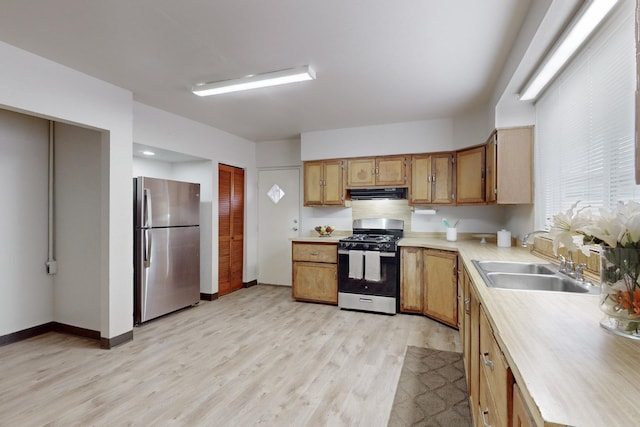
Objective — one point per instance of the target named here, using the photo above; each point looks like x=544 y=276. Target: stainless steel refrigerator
x=166 y=247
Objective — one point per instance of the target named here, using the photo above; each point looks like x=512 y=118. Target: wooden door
x=514 y=170
x=316 y=282
x=230 y=228
x=443 y=182
x=361 y=172
x=470 y=175
x=440 y=277
x=391 y=170
x=491 y=187
x=420 y=179
x=313 y=183
x=411 y=280
x=333 y=182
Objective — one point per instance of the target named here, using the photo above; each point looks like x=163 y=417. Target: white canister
x=504 y=238
x=452 y=234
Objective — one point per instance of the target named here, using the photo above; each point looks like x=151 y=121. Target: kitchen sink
x=539 y=282
x=516 y=267
x=531 y=277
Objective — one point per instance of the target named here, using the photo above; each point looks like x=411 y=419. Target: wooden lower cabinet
x=521 y=415
x=428 y=283
x=411 y=280
x=441 y=286
x=494 y=397
x=315 y=272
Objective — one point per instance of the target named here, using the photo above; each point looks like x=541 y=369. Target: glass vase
x=620 y=291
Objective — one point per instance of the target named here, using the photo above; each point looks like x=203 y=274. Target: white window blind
x=585 y=125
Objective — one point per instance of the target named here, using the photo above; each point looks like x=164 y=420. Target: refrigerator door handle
x=147 y=249
x=147 y=213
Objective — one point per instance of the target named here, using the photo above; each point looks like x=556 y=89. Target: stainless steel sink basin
x=516 y=267
x=539 y=282
x=531 y=277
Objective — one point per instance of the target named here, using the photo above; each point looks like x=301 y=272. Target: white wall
x=27 y=290
x=78 y=215
x=282 y=153
x=158 y=128
x=36 y=86
x=396 y=138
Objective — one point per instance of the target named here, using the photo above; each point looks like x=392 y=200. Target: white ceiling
x=377 y=61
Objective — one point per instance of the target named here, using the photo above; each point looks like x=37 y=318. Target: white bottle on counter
x=504 y=238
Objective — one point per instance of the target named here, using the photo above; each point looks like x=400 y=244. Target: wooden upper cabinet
x=443 y=191
x=432 y=178
x=377 y=171
x=391 y=170
x=491 y=184
x=513 y=165
x=324 y=182
x=470 y=184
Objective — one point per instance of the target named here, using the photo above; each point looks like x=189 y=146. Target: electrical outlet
x=52 y=267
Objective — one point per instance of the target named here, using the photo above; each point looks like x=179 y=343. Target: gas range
x=369 y=266
x=370 y=242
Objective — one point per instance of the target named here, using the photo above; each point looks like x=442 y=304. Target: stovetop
x=374 y=242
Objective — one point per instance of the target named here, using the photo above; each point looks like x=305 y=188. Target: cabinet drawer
x=495 y=369
x=315 y=252
x=488 y=414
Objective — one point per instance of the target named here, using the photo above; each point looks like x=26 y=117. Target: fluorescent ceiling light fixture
x=593 y=13
x=148 y=153
x=255 y=81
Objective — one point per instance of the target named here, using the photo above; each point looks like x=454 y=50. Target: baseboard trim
x=208 y=297
x=250 y=284
x=75 y=330
x=109 y=343
x=26 y=333
x=49 y=327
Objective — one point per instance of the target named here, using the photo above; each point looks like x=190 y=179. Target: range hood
x=394 y=193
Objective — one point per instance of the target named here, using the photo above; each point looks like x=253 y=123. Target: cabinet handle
x=429 y=178
x=377 y=171
x=486 y=360
x=433 y=179
x=467 y=302
x=484 y=420
x=315 y=253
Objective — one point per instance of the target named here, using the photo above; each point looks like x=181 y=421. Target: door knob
x=294 y=228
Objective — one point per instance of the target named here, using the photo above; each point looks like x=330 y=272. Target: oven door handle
x=382 y=254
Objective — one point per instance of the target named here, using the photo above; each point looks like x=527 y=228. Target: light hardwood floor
x=254 y=357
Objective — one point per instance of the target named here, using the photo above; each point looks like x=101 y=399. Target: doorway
x=230 y=228
x=278 y=222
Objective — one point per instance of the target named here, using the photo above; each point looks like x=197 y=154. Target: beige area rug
x=432 y=390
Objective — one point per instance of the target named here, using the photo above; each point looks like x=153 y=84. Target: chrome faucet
x=525 y=239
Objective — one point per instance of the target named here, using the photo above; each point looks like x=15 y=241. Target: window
x=585 y=125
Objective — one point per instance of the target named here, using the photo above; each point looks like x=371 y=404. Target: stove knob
x=365 y=245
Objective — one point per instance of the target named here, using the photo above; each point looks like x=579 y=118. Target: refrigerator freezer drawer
x=167 y=271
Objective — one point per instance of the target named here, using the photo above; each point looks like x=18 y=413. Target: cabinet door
x=514 y=172
x=317 y=282
x=491 y=188
x=420 y=179
x=474 y=351
x=361 y=172
x=333 y=182
x=440 y=277
x=390 y=170
x=520 y=414
x=411 y=280
x=443 y=178
x=470 y=175
x=313 y=188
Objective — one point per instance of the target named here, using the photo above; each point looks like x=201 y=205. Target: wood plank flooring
x=254 y=357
